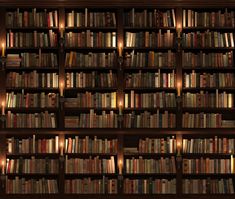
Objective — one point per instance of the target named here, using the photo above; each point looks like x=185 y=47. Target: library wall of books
x=117 y=99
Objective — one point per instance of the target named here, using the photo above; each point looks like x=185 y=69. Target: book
x=95 y=165
x=149 y=120
x=90 y=145
x=34 y=18
x=92 y=120
x=91 y=186
x=90 y=60
x=32 y=120
x=149 y=100
x=149 y=186
x=33 y=39
x=208 y=186
x=90 y=39
x=217 y=18
x=31 y=186
x=149 y=18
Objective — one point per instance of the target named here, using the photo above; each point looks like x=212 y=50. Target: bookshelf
x=207 y=99
x=207 y=41
x=149 y=44
x=144 y=172
x=91 y=165
x=32 y=164
x=91 y=68
x=217 y=152
x=119 y=98
x=31 y=41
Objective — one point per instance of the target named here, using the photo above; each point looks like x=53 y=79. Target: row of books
x=33 y=39
x=209 y=145
x=149 y=186
x=150 y=59
x=108 y=39
x=34 y=120
x=141 y=165
x=206 y=120
x=91 y=79
x=207 y=165
x=92 y=120
x=91 y=39
x=90 y=145
x=32 y=100
x=32 y=144
x=90 y=165
x=217 y=18
x=34 y=18
x=88 y=60
x=163 y=186
x=211 y=100
x=33 y=165
x=149 y=18
x=32 y=80
x=202 y=80
x=149 y=100
x=103 y=145
x=150 y=79
x=212 y=60
x=32 y=60
x=208 y=39
x=157 y=145
x=150 y=39
x=149 y=120
x=93 y=100
x=91 y=186
x=90 y=19
x=151 y=146
x=208 y=186
x=31 y=186
x=109 y=120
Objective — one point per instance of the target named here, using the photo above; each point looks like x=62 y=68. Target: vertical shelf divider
x=61 y=53
x=179 y=82
x=120 y=64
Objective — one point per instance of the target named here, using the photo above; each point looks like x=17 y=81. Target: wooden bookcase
x=125 y=136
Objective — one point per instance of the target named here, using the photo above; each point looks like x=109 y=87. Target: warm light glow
x=120 y=47
x=3 y=167
x=61 y=144
x=120 y=107
x=178 y=84
x=120 y=167
x=178 y=144
x=61 y=148
x=179 y=26
x=3 y=49
x=178 y=88
x=178 y=148
x=120 y=162
x=62 y=84
x=61 y=88
x=61 y=30
x=3 y=107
